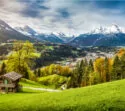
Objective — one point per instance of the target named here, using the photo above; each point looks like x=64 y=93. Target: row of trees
x=80 y=75
x=100 y=71
x=53 y=69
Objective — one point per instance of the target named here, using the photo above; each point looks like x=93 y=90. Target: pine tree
x=3 y=69
x=116 y=68
x=85 y=62
x=122 y=66
x=106 y=69
x=26 y=74
x=77 y=75
x=73 y=81
x=39 y=72
x=81 y=72
x=91 y=67
x=35 y=72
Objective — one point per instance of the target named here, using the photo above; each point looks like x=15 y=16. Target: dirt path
x=43 y=89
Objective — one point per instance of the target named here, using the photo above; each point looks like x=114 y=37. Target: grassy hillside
x=102 y=97
x=28 y=83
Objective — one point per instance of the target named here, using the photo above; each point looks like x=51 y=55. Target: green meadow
x=103 y=97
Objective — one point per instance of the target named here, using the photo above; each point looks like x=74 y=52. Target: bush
x=56 y=69
x=31 y=76
x=53 y=80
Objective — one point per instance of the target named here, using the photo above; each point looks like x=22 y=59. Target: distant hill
x=8 y=33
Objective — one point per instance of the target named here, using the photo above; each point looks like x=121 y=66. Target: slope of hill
x=103 y=97
x=8 y=33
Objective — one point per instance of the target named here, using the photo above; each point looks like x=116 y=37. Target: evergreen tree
x=116 y=69
x=86 y=76
x=3 y=69
x=73 y=80
x=106 y=69
x=39 y=72
x=35 y=72
x=85 y=62
x=80 y=72
x=26 y=74
x=91 y=67
x=78 y=75
x=122 y=66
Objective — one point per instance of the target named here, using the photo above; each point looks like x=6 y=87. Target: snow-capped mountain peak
x=26 y=30
x=29 y=29
x=98 y=30
x=107 y=30
x=4 y=26
x=115 y=29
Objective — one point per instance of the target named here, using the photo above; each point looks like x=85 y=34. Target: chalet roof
x=13 y=76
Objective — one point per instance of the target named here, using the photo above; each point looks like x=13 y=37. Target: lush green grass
x=102 y=97
x=28 y=90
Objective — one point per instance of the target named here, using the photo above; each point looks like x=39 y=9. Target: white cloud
x=82 y=18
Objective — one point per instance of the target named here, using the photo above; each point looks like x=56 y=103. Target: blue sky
x=66 y=16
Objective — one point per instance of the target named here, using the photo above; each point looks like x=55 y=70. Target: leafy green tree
x=99 y=68
x=20 y=59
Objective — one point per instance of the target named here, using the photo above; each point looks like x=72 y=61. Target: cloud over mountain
x=67 y=16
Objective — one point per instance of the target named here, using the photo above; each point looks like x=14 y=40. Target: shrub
x=53 y=80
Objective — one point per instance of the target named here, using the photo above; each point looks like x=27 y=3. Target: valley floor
x=103 y=97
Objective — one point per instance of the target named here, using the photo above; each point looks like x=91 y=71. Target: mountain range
x=109 y=36
x=8 y=33
x=102 y=36
x=51 y=37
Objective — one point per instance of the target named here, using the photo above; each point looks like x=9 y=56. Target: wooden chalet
x=9 y=82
